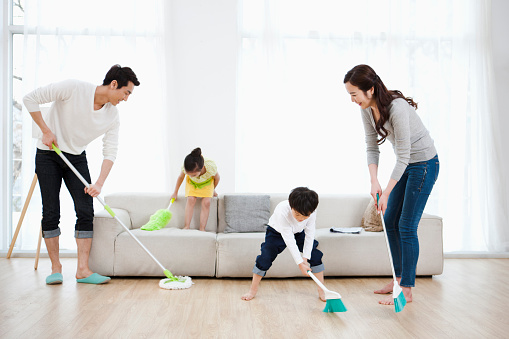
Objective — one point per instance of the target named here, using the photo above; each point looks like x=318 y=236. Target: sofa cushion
x=246 y=213
x=371 y=220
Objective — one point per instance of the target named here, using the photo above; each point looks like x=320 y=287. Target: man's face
x=121 y=94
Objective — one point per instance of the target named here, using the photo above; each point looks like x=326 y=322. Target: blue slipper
x=55 y=278
x=94 y=278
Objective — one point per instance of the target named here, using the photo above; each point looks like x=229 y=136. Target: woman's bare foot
x=249 y=295
x=387 y=288
x=321 y=294
x=389 y=300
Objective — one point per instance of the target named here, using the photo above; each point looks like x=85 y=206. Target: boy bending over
x=292 y=225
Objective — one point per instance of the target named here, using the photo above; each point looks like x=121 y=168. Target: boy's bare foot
x=321 y=294
x=249 y=295
x=387 y=288
x=389 y=300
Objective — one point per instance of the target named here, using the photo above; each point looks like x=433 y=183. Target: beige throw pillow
x=371 y=221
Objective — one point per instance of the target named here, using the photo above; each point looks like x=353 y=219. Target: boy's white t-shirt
x=72 y=117
x=282 y=220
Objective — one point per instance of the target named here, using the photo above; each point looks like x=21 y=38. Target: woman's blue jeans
x=404 y=210
x=51 y=169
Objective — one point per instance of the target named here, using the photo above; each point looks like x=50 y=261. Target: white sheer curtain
x=82 y=40
x=296 y=124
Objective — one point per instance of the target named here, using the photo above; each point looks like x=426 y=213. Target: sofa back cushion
x=334 y=210
x=141 y=205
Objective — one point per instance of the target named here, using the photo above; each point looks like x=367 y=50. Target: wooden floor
x=470 y=300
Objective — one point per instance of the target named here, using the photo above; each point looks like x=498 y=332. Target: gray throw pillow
x=246 y=213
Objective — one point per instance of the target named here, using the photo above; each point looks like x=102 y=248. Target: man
x=80 y=112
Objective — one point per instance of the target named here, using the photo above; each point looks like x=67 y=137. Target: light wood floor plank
x=470 y=300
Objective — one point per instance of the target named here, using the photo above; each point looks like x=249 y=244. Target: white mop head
x=183 y=283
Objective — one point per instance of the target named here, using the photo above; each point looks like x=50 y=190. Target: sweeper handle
x=386 y=239
x=318 y=282
x=107 y=208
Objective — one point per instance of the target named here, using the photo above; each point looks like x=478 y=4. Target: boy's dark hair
x=194 y=161
x=122 y=74
x=303 y=200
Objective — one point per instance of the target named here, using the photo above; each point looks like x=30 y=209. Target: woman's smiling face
x=363 y=99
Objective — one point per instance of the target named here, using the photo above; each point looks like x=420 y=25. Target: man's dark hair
x=303 y=200
x=122 y=74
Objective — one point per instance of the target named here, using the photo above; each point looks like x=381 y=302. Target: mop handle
x=106 y=207
x=318 y=282
x=387 y=241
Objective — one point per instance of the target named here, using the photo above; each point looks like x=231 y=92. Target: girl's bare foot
x=321 y=294
x=186 y=228
x=389 y=300
x=387 y=288
x=249 y=295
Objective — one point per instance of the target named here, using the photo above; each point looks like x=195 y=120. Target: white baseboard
x=476 y=255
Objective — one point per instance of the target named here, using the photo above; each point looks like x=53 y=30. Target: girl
x=390 y=115
x=201 y=180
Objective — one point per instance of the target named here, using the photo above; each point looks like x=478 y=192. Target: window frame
x=6 y=71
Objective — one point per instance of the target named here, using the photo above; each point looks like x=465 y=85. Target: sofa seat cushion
x=365 y=254
x=237 y=252
x=183 y=252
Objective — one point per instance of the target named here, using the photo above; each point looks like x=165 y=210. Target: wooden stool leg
x=38 y=250
x=25 y=207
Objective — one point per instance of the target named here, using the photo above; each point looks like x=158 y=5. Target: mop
x=172 y=282
x=334 y=303
x=159 y=219
x=397 y=292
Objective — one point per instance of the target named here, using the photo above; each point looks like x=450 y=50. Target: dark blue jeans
x=404 y=210
x=51 y=169
x=274 y=244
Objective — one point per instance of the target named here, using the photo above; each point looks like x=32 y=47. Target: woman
x=390 y=115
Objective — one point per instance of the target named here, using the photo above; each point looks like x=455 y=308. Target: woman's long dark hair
x=364 y=77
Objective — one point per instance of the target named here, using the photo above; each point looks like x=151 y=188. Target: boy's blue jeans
x=51 y=169
x=274 y=244
x=404 y=210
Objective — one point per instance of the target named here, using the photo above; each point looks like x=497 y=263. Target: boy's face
x=299 y=217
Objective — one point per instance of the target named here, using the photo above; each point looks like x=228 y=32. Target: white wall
x=203 y=47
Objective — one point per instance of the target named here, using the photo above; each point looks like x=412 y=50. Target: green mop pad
x=158 y=220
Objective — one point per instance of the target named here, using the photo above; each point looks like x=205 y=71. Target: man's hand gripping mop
x=397 y=292
x=334 y=302
x=172 y=283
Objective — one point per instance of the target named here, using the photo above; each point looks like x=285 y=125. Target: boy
x=292 y=225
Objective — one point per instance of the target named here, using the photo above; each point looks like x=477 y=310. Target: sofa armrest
x=106 y=230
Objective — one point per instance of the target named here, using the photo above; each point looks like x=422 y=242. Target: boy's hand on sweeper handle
x=304 y=267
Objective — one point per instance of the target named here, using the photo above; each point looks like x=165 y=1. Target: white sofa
x=217 y=254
